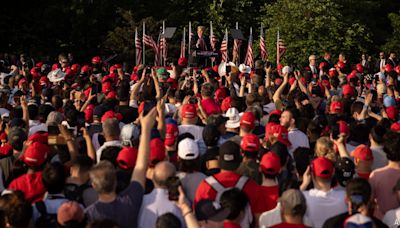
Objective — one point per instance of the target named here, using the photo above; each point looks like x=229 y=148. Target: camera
x=148 y=70
x=173 y=184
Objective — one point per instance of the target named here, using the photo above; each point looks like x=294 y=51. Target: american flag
x=213 y=41
x=138 y=46
x=263 y=49
x=236 y=46
x=280 y=48
x=163 y=47
x=183 y=50
x=148 y=41
x=224 y=47
x=249 y=61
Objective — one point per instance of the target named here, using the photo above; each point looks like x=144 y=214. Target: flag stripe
x=249 y=61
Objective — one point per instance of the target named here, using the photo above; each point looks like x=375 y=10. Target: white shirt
x=324 y=205
x=155 y=204
x=107 y=144
x=392 y=218
x=196 y=131
x=380 y=159
x=297 y=139
x=273 y=217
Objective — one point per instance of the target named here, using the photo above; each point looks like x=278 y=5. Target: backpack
x=45 y=220
x=74 y=192
x=220 y=189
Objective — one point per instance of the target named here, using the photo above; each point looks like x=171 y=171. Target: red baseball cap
x=111 y=95
x=281 y=131
x=248 y=119
x=182 y=61
x=292 y=80
x=111 y=114
x=395 y=127
x=363 y=152
x=3 y=136
x=157 y=150
x=43 y=80
x=6 y=149
x=96 y=60
x=250 y=143
x=35 y=72
x=388 y=68
x=39 y=137
x=343 y=127
x=359 y=68
x=85 y=69
x=171 y=134
x=220 y=94
x=54 y=66
x=270 y=163
x=322 y=167
x=35 y=154
x=127 y=157
x=226 y=104
x=106 y=87
x=347 y=90
x=188 y=111
x=341 y=64
x=332 y=72
x=336 y=107
x=392 y=112
x=276 y=112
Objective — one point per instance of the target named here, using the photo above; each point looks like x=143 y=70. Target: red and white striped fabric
x=183 y=50
x=249 y=60
x=224 y=48
x=236 y=46
x=213 y=41
x=163 y=47
x=148 y=41
x=280 y=48
x=138 y=46
x=263 y=49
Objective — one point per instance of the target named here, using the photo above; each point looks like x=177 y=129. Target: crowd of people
x=223 y=146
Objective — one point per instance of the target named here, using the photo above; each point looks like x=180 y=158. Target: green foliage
x=310 y=27
x=393 y=43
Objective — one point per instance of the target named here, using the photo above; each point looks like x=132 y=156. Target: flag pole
x=277 y=48
x=226 y=34
x=211 y=41
x=144 y=55
x=238 y=57
x=137 y=51
x=164 y=44
x=261 y=34
x=184 y=39
x=190 y=38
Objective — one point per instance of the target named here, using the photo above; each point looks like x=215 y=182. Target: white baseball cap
x=188 y=149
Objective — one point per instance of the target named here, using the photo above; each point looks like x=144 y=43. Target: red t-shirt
x=231 y=225
x=210 y=106
x=31 y=185
x=288 y=225
x=364 y=175
x=268 y=197
x=229 y=179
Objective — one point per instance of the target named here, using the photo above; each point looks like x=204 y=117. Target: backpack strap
x=241 y=182
x=41 y=207
x=216 y=186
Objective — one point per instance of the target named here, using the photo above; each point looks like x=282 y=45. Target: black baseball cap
x=344 y=170
x=210 y=210
x=229 y=156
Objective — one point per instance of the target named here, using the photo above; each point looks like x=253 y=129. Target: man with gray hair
x=111 y=133
x=124 y=207
x=157 y=202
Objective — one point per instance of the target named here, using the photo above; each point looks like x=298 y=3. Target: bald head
x=162 y=171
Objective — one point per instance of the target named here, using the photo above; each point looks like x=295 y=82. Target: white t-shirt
x=392 y=218
x=297 y=139
x=380 y=159
x=196 y=131
x=273 y=217
x=156 y=204
x=324 y=205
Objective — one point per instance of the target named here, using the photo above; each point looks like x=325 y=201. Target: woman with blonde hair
x=325 y=148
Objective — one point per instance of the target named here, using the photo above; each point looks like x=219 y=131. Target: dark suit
x=391 y=62
x=199 y=45
x=378 y=65
x=329 y=65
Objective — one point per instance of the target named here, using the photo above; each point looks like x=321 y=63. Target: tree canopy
x=88 y=27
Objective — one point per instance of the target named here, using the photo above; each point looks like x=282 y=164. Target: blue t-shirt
x=124 y=210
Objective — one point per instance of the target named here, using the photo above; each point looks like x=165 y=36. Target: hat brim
x=232 y=124
x=231 y=166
